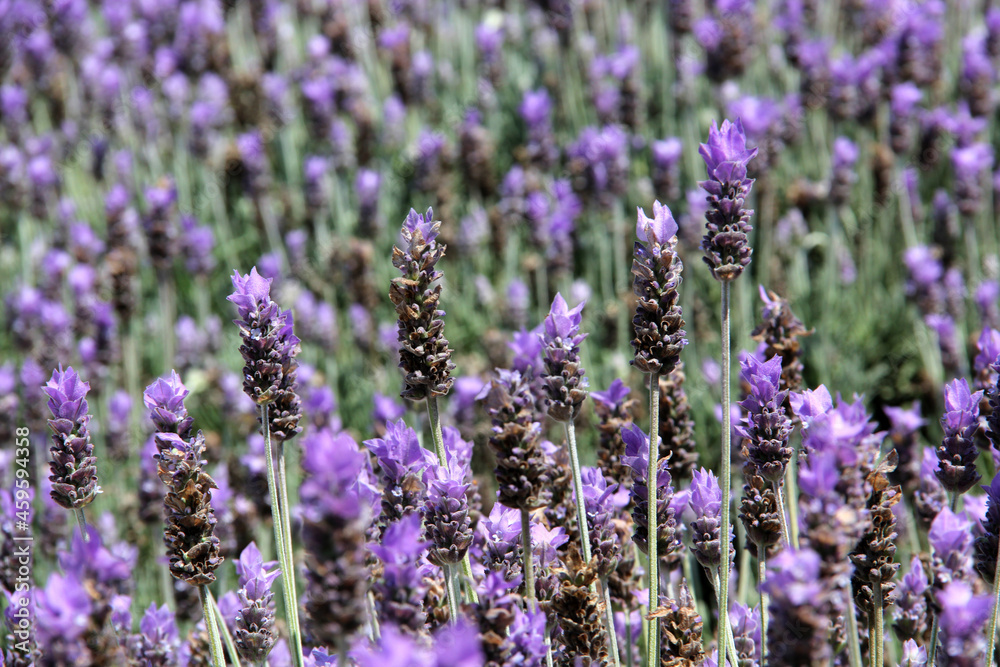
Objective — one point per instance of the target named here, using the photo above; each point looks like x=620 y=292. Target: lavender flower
x=424 y=354
x=158 y=642
x=192 y=546
x=957 y=453
x=950 y=538
x=912 y=617
x=797 y=631
x=402 y=463
x=500 y=535
x=726 y=243
x=269 y=350
x=843 y=175
x=666 y=158
x=338 y=503
x=705 y=504
x=987 y=544
x=767 y=427
x=658 y=322
x=637 y=459
x=564 y=380
x=255 y=635
x=603 y=502
x=969 y=163
x=400 y=593
x=962 y=617
x=74 y=466
x=446 y=514
x=905 y=425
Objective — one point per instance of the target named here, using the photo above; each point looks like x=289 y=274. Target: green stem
x=652 y=563
x=286 y=529
x=761 y=574
x=581 y=517
x=227 y=637
x=291 y=607
x=213 y=632
x=449 y=578
x=791 y=481
x=529 y=560
x=81 y=521
x=725 y=630
x=724 y=475
x=609 y=618
x=878 y=636
x=168 y=315
x=781 y=513
x=853 y=634
x=434 y=415
x=991 y=631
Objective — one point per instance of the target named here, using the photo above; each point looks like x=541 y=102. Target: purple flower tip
x=726 y=154
x=659 y=229
x=706 y=496
x=615 y=395
x=251 y=291
x=960 y=404
x=256 y=575
x=563 y=321
x=415 y=222
x=67 y=394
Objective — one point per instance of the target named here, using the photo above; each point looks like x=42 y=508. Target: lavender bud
x=563 y=377
x=658 y=321
x=957 y=454
x=73 y=465
x=726 y=243
x=255 y=635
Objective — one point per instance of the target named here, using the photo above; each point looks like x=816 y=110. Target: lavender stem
x=781 y=516
x=279 y=542
x=435 y=418
x=81 y=520
x=853 y=643
x=879 y=635
x=452 y=590
x=286 y=527
x=991 y=631
x=724 y=630
x=609 y=618
x=653 y=575
x=213 y=632
x=581 y=518
x=791 y=481
x=529 y=561
x=761 y=575
x=724 y=476
x=227 y=638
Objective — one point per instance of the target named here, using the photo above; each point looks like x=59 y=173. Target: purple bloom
x=402 y=462
x=962 y=617
x=726 y=243
x=767 y=427
x=563 y=376
x=73 y=465
x=950 y=538
x=255 y=635
x=986 y=545
x=957 y=454
x=657 y=230
x=987 y=354
x=614 y=396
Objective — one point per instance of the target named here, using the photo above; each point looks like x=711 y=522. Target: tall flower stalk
x=565 y=384
x=74 y=466
x=727 y=253
x=189 y=533
x=988 y=544
x=269 y=375
x=658 y=340
x=424 y=354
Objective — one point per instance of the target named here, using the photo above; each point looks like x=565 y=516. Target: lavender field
x=339 y=332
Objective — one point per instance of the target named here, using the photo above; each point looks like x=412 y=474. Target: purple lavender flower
x=269 y=350
x=563 y=377
x=986 y=545
x=255 y=634
x=500 y=534
x=843 y=175
x=797 y=633
x=636 y=458
x=903 y=430
x=536 y=110
x=912 y=616
x=957 y=453
x=446 y=514
x=400 y=593
x=705 y=504
x=970 y=163
x=658 y=321
x=402 y=463
x=963 y=615
x=338 y=504
x=603 y=502
x=904 y=98
x=726 y=243
x=424 y=354
x=158 y=642
x=987 y=354
x=73 y=465
x=767 y=427
x=666 y=158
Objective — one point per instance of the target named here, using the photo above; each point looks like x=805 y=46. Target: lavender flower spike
x=563 y=376
x=767 y=427
x=986 y=555
x=74 y=466
x=726 y=243
x=957 y=454
x=658 y=321
x=255 y=635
